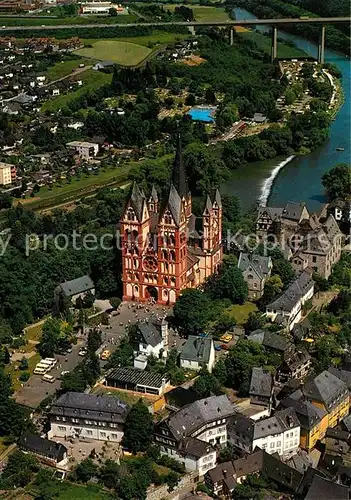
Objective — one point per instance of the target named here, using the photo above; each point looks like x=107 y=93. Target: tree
x=50 y=337
x=337 y=181
x=94 y=340
x=23 y=364
x=115 y=302
x=205 y=384
x=19 y=469
x=138 y=428
x=113 y=12
x=284 y=270
x=5 y=200
x=122 y=356
x=172 y=479
x=109 y=474
x=192 y=311
x=85 y=470
x=227 y=283
x=255 y=321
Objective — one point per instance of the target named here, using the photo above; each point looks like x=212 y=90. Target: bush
x=24 y=376
x=23 y=364
x=115 y=302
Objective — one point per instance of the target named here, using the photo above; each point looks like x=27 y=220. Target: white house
x=287 y=308
x=278 y=434
x=79 y=415
x=84 y=149
x=196 y=353
x=190 y=434
x=152 y=338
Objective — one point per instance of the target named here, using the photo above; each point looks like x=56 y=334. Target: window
x=114 y=436
x=64 y=419
x=103 y=434
x=89 y=433
x=58 y=418
x=264 y=446
x=61 y=428
x=279 y=444
x=273 y=445
x=75 y=420
x=314 y=259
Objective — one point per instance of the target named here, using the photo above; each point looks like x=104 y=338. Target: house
x=341 y=211
x=102 y=65
x=259 y=118
x=273 y=342
x=5 y=173
x=12 y=108
x=313 y=420
x=84 y=149
x=261 y=387
x=329 y=393
x=96 y=8
x=204 y=420
x=343 y=375
x=74 y=289
x=47 y=451
x=220 y=480
x=196 y=353
x=251 y=464
x=133 y=379
x=320 y=249
x=280 y=221
x=276 y=434
x=152 y=338
x=289 y=304
x=322 y=488
x=296 y=366
x=80 y=415
x=255 y=269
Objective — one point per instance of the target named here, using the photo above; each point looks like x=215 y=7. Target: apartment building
x=277 y=434
x=6 y=173
x=199 y=426
x=76 y=415
x=84 y=149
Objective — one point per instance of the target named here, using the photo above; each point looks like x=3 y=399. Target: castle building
x=166 y=248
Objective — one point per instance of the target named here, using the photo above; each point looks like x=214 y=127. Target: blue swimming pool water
x=202 y=114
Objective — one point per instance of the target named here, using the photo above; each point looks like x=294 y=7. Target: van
x=53 y=361
x=46 y=363
x=49 y=378
x=39 y=370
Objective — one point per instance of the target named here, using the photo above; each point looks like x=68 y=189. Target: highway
x=243 y=22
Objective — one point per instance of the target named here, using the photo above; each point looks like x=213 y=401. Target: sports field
x=202 y=13
x=156 y=39
x=124 y=53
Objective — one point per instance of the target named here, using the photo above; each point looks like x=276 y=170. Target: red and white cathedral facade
x=166 y=248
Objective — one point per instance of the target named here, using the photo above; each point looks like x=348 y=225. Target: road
x=243 y=22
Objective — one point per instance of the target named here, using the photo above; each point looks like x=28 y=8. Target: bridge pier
x=231 y=36
x=274 y=48
x=321 y=44
x=192 y=30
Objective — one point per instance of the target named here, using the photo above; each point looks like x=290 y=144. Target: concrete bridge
x=275 y=23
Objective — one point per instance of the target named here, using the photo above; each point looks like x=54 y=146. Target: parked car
x=64 y=372
x=83 y=352
x=227 y=337
x=218 y=348
x=105 y=355
x=48 y=378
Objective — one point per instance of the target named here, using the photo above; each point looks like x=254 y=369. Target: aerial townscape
x=175 y=250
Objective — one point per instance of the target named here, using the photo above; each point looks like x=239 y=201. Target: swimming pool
x=205 y=114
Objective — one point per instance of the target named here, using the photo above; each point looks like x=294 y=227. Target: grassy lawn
x=241 y=312
x=63 y=68
x=91 y=80
x=205 y=13
x=264 y=43
x=27 y=21
x=69 y=491
x=123 y=396
x=2 y=445
x=124 y=53
x=78 y=187
x=33 y=332
x=14 y=374
x=157 y=38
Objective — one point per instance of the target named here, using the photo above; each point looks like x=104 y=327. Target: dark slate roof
x=220 y=472
x=338 y=434
x=174 y=204
x=297 y=359
x=150 y=334
x=249 y=465
x=42 y=446
x=327 y=388
x=293 y=211
x=195 y=447
x=308 y=414
x=216 y=197
x=347 y=422
x=275 y=341
x=281 y=473
x=273 y=212
x=79 y=285
x=261 y=383
x=135 y=376
x=191 y=417
x=343 y=375
x=78 y=404
x=323 y=489
x=179 y=179
x=298 y=288
x=259 y=264
x=137 y=200
x=197 y=349
x=154 y=195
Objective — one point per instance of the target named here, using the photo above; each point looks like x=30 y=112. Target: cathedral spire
x=179 y=179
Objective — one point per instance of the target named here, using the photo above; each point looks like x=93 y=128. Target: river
x=297 y=178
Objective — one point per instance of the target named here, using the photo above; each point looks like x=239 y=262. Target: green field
x=124 y=53
x=205 y=13
x=157 y=38
x=91 y=80
x=28 y=21
x=241 y=312
x=265 y=43
x=63 y=68
x=69 y=491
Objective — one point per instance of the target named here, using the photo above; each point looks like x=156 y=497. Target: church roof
x=137 y=201
x=179 y=179
x=154 y=195
x=174 y=204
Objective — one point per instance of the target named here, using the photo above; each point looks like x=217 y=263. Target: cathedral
x=165 y=247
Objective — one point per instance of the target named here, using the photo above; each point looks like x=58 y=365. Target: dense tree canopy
x=138 y=428
x=337 y=182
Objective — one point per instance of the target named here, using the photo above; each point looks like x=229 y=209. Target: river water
x=297 y=178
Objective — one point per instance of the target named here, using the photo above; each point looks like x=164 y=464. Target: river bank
x=300 y=178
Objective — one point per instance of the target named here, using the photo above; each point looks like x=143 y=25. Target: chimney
x=164 y=334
